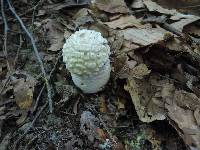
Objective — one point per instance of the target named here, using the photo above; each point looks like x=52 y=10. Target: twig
x=38 y=98
x=20 y=45
x=20 y=15
x=34 y=10
x=31 y=125
x=5 y=34
x=37 y=55
x=50 y=75
x=28 y=146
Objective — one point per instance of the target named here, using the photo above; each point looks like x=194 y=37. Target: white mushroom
x=86 y=54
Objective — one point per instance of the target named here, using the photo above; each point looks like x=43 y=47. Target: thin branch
x=5 y=34
x=20 y=15
x=34 y=10
x=38 y=98
x=20 y=45
x=37 y=55
x=50 y=75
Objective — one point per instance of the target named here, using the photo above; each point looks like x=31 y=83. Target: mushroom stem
x=93 y=83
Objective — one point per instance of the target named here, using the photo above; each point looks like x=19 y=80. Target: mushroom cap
x=86 y=52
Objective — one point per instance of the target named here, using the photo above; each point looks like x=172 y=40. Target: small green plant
x=136 y=142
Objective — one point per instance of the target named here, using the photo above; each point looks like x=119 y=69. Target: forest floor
x=151 y=102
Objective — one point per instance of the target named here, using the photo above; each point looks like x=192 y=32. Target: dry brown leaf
x=152 y=97
x=179 y=25
x=112 y=6
x=123 y=66
x=100 y=27
x=183 y=109
x=82 y=17
x=144 y=94
x=197 y=116
x=102 y=104
x=115 y=16
x=121 y=103
x=152 y=6
x=55 y=34
x=184 y=118
x=129 y=68
x=117 y=44
x=139 y=71
x=124 y=22
x=175 y=44
x=193 y=29
x=23 y=91
x=137 y=4
x=186 y=6
x=145 y=36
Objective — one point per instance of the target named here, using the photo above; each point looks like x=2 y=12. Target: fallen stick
x=37 y=55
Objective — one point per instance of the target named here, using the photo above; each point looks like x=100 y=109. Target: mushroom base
x=93 y=83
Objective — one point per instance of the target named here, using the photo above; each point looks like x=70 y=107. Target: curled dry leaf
x=112 y=6
x=54 y=33
x=124 y=22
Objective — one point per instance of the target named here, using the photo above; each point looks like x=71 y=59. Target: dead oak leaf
x=83 y=17
x=144 y=36
x=153 y=6
x=186 y=122
x=182 y=19
x=124 y=22
x=144 y=95
x=179 y=25
x=54 y=33
x=23 y=90
x=112 y=6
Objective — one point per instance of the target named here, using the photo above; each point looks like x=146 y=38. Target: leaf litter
x=154 y=82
